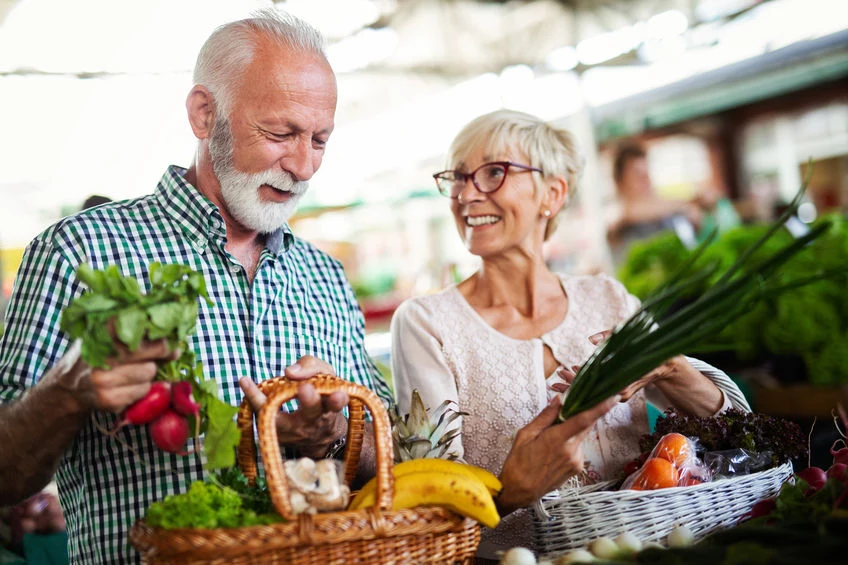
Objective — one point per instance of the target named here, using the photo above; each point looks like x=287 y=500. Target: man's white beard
x=240 y=191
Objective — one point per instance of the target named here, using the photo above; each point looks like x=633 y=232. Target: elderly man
x=262 y=109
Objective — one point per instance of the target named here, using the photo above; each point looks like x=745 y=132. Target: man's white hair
x=231 y=47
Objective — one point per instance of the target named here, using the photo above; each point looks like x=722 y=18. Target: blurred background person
x=39 y=515
x=95 y=200
x=641 y=212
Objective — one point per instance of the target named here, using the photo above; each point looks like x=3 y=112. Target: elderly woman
x=502 y=342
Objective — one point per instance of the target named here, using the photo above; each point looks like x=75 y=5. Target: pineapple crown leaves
x=419 y=434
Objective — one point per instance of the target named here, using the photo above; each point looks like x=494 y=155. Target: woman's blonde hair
x=552 y=149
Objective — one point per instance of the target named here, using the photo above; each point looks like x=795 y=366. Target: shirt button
x=234 y=269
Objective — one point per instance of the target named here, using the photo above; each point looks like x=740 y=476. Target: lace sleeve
x=419 y=363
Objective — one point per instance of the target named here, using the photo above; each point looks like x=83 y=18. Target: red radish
x=838 y=471
x=840 y=456
x=144 y=411
x=814 y=477
x=631 y=468
x=763 y=508
x=182 y=399
x=170 y=432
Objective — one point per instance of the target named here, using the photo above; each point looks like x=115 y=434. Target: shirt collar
x=200 y=219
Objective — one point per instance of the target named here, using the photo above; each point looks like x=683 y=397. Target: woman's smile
x=478 y=221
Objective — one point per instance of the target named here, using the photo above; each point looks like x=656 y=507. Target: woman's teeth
x=481 y=220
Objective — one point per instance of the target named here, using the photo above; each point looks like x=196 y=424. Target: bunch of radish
x=166 y=408
x=817 y=478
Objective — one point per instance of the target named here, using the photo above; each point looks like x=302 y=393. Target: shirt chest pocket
x=330 y=351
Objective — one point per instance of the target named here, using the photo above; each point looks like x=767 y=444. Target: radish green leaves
x=114 y=308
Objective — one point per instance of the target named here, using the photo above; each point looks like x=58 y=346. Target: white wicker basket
x=570 y=518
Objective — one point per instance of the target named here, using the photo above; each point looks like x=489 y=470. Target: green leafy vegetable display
x=810 y=323
x=114 y=308
x=649 y=337
x=734 y=429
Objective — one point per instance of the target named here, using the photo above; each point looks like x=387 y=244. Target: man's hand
x=317 y=422
x=36 y=429
x=126 y=381
x=545 y=454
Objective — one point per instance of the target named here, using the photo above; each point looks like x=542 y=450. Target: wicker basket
x=570 y=518
x=368 y=536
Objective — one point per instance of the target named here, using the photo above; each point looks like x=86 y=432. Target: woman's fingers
x=540 y=423
x=580 y=424
x=597 y=338
x=568 y=374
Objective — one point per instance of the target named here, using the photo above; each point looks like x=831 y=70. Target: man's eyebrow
x=295 y=128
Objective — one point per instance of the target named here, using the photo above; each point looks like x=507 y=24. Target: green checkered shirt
x=299 y=304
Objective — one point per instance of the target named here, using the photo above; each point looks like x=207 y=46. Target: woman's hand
x=686 y=388
x=317 y=422
x=545 y=454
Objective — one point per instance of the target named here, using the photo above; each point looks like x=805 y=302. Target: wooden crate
x=801 y=400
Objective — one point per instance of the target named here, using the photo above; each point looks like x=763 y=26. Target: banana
x=445 y=466
x=463 y=494
x=491 y=482
x=365 y=497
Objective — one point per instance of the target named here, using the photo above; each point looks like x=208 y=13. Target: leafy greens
x=114 y=308
x=647 y=339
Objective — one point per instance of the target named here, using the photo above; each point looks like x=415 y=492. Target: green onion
x=647 y=339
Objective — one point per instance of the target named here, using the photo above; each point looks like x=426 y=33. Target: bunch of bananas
x=465 y=489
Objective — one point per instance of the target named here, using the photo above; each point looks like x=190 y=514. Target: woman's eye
x=494 y=172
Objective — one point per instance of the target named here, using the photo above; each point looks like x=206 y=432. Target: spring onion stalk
x=647 y=339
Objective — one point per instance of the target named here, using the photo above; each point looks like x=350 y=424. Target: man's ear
x=201 y=111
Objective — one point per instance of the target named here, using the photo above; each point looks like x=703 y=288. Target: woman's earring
x=546 y=213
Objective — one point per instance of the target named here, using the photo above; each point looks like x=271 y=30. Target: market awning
x=791 y=68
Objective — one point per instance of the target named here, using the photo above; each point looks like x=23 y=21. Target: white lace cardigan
x=443 y=348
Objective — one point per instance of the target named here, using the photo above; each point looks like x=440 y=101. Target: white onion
x=628 y=543
x=518 y=556
x=604 y=548
x=576 y=556
x=680 y=536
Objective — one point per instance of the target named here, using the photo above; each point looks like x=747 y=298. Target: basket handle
x=279 y=390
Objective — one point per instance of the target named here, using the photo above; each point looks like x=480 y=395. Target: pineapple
x=418 y=435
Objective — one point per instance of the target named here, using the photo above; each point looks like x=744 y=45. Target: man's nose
x=301 y=161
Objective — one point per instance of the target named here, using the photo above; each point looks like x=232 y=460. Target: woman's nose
x=468 y=192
